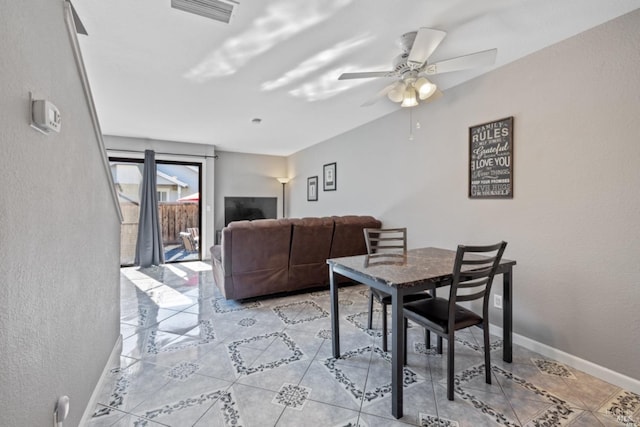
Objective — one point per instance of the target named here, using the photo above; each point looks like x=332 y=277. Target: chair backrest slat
x=473 y=272
x=385 y=240
x=470 y=297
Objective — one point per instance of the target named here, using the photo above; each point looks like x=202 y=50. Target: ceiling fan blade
x=379 y=95
x=478 y=59
x=426 y=41
x=365 y=75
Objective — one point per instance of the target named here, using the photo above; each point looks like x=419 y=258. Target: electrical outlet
x=497 y=301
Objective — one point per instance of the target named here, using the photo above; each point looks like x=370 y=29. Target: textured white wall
x=59 y=228
x=573 y=223
x=247 y=175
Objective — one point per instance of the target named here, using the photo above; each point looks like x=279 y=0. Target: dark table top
x=401 y=271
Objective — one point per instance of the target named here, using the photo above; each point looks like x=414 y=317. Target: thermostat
x=45 y=116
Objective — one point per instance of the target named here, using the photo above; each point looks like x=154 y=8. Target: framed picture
x=312 y=189
x=329 y=177
x=491 y=160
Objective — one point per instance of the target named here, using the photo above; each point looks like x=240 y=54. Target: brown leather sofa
x=268 y=256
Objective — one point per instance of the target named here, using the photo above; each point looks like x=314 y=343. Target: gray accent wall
x=59 y=228
x=574 y=222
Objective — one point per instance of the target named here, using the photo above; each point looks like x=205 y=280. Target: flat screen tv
x=249 y=208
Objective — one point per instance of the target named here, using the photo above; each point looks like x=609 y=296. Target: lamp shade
x=409 y=97
x=397 y=93
x=425 y=88
x=283 y=180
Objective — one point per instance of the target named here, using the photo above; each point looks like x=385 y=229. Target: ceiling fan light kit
x=411 y=67
x=408 y=92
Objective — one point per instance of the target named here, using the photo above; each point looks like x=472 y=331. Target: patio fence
x=177 y=217
x=174 y=217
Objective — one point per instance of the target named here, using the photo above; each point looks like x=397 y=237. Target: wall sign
x=312 y=189
x=491 y=160
x=329 y=179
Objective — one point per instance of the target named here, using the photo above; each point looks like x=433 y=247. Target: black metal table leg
x=507 y=321
x=335 y=323
x=397 y=353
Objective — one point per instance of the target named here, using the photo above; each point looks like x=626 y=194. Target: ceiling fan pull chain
x=410 y=124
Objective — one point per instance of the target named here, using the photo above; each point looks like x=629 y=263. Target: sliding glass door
x=178 y=187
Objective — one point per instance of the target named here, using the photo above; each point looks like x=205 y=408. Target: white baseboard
x=111 y=362
x=605 y=374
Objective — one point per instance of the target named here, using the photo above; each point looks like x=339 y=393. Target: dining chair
x=473 y=273
x=386 y=244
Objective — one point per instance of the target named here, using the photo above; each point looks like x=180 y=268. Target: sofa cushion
x=310 y=248
x=348 y=235
x=260 y=244
x=259 y=256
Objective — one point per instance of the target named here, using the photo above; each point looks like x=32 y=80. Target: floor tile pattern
x=183 y=370
x=359 y=320
x=292 y=396
x=287 y=313
x=357 y=390
x=427 y=420
x=241 y=365
x=192 y=358
x=230 y=413
x=550 y=367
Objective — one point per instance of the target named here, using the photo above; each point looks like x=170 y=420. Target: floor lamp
x=283 y=181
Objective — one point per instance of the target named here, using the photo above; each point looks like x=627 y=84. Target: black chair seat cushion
x=435 y=312
x=385 y=298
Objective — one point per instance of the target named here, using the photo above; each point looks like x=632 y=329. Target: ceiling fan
x=412 y=68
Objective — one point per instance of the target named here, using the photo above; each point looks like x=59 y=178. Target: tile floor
x=191 y=358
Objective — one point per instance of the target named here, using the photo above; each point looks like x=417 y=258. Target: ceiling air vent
x=214 y=9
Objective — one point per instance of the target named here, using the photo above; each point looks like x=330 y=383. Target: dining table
x=414 y=271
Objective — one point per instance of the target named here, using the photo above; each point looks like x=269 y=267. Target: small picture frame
x=329 y=182
x=312 y=189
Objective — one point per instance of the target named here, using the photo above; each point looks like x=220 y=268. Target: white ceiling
x=161 y=73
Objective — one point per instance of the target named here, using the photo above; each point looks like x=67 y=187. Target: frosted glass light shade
x=425 y=88
x=409 y=98
x=397 y=93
